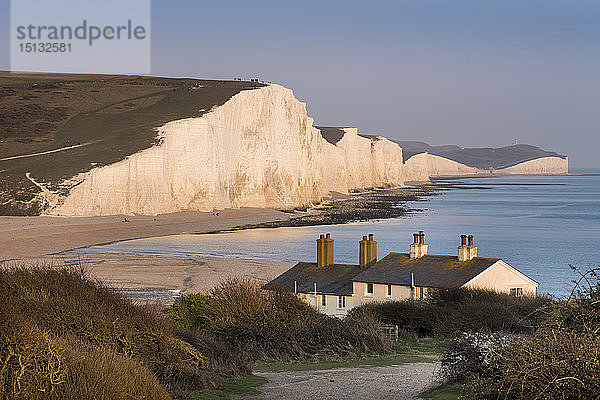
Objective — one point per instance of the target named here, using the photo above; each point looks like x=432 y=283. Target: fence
x=390 y=331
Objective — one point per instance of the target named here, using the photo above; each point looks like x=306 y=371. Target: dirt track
x=392 y=382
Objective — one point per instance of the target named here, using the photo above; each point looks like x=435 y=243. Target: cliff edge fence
x=89 y=145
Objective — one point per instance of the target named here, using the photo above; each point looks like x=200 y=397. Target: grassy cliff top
x=101 y=119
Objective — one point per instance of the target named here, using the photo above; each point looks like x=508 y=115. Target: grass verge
x=354 y=362
x=244 y=385
x=442 y=392
x=408 y=350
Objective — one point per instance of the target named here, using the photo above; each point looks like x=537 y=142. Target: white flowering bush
x=473 y=355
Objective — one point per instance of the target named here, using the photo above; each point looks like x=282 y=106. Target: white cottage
x=336 y=288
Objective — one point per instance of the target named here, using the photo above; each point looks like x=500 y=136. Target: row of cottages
x=336 y=288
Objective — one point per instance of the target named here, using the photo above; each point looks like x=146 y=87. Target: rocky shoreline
x=373 y=204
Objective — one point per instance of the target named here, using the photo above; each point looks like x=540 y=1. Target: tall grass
x=63 y=336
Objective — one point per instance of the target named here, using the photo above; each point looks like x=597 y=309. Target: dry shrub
x=275 y=325
x=561 y=360
x=52 y=311
x=448 y=311
x=473 y=355
x=35 y=364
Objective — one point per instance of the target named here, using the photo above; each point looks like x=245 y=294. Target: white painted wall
x=501 y=277
x=331 y=306
x=379 y=293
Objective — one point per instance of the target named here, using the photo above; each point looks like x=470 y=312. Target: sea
x=541 y=225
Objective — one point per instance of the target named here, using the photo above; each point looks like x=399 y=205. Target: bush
x=275 y=325
x=473 y=355
x=57 y=326
x=561 y=360
x=36 y=364
x=448 y=311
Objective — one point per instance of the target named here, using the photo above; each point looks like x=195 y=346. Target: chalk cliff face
x=259 y=149
x=539 y=166
x=365 y=161
x=421 y=167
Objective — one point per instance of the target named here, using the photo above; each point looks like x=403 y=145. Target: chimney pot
x=370 y=236
x=466 y=251
x=364 y=238
x=418 y=248
x=322 y=237
x=328 y=236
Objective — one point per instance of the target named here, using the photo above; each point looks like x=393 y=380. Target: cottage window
x=324 y=301
x=341 y=301
x=516 y=291
x=369 y=289
x=389 y=290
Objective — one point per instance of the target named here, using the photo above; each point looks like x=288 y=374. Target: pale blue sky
x=467 y=72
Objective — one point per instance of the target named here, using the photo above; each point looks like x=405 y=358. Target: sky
x=476 y=73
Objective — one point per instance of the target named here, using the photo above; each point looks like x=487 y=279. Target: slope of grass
x=244 y=385
x=442 y=392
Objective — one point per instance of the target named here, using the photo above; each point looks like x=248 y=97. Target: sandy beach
x=37 y=240
x=158 y=278
x=38 y=236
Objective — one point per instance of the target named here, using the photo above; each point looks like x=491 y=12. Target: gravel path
x=392 y=382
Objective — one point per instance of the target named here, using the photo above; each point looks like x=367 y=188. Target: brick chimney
x=363 y=251
x=321 y=251
x=418 y=249
x=328 y=250
x=324 y=250
x=367 y=254
x=467 y=250
x=372 y=251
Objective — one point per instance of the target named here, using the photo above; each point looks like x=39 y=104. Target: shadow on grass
x=244 y=385
x=442 y=392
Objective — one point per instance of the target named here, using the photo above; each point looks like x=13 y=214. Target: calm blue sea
x=539 y=225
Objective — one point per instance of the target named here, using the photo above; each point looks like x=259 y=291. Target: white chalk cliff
x=539 y=166
x=259 y=149
x=423 y=166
